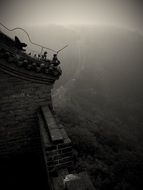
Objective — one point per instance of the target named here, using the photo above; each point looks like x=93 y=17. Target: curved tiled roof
x=17 y=63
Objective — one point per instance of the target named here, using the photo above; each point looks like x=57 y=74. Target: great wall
x=35 y=150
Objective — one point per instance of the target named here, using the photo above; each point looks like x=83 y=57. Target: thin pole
x=17 y=28
x=41 y=50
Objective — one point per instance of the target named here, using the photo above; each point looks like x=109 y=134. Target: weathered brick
x=66 y=150
x=57 y=157
x=66 y=159
x=67 y=154
x=55 y=136
x=51 y=153
x=52 y=163
x=19 y=101
x=64 y=145
x=49 y=148
x=64 y=165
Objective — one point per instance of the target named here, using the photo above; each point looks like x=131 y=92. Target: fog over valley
x=99 y=96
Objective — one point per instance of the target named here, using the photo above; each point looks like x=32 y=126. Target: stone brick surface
x=50 y=124
x=55 y=135
x=19 y=101
x=57 y=155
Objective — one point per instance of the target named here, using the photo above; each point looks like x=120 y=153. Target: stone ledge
x=58 y=148
x=45 y=71
x=51 y=126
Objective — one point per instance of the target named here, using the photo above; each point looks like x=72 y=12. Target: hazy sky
x=35 y=15
x=41 y=12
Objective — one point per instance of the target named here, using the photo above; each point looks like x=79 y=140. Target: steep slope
x=101 y=107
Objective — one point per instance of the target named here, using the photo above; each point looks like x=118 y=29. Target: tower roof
x=15 y=61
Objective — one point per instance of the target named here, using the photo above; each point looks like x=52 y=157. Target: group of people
x=43 y=57
x=42 y=63
x=40 y=57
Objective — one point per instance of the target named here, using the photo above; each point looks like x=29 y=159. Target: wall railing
x=36 y=44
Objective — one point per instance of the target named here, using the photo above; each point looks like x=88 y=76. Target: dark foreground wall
x=21 y=159
x=19 y=100
x=23 y=172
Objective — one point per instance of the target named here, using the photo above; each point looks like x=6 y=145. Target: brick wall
x=19 y=101
x=57 y=146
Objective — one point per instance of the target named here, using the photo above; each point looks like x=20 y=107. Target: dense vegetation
x=101 y=107
x=113 y=160
x=105 y=124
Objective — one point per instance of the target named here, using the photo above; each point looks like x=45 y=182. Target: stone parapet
x=57 y=146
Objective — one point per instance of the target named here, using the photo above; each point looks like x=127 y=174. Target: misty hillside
x=100 y=102
x=108 y=78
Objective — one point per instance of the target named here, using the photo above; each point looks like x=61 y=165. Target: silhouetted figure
x=42 y=57
x=19 y=44
x=39 y=56
x=45 y=55
x=55 y=60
